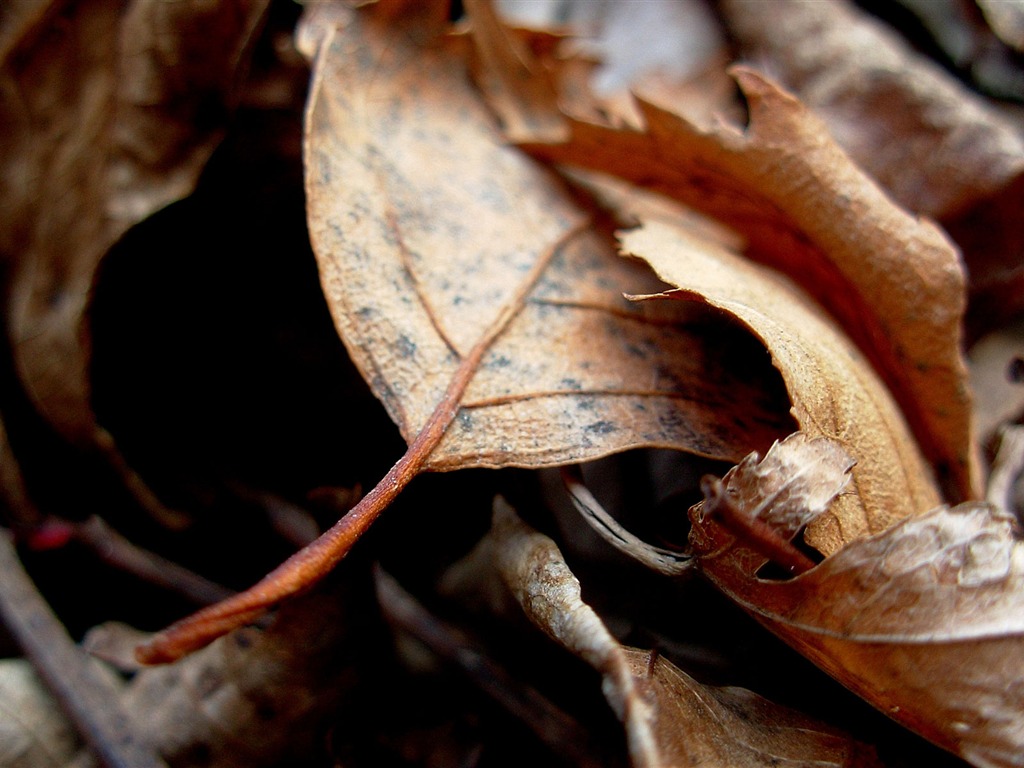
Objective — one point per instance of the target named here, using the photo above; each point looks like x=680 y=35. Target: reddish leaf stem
x=310 y=564
x=753 y=532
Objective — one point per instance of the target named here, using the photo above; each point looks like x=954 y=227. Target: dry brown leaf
x=934 y=145
x=434 y=236
x=698 y=724
x=262 y=695
x=892 y=280
x=669 y=51
x=938 y=148
x=924 y=620
x=524 y=94
x=670 y=718
x=834 y=391
x=109 y=112
x=33 y=731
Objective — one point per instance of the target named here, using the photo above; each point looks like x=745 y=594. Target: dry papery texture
x=939 y=149
x=256 y=698
x=489 y=346
x=892 y=281
x=670 y=719
x=834 y=390
x=480 y=294
x=262 y=696
x=923 y=620
x=403 y=162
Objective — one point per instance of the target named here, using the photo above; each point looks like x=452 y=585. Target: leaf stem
x=752 y=531
x=310 y=564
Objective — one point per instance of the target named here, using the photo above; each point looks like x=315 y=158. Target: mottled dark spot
x=404 y=347
x=466 y=420
x=573 y=384
x=499 y=361
x=601 y=427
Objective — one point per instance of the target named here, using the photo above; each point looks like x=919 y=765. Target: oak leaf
x=893 y=281
x=923 y=620
x=670 y=718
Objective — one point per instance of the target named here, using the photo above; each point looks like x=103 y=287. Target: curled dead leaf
x=892 y=280
x=923 y=620
x=670 y=718
x=490 y=343
x=835 y=392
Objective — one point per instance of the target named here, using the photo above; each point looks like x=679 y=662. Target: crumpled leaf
x=924 y=620
x=417 y=211
x=937 y=148
x=670 y=718
x=669 y=51
x=260 y=696
x=109 y=112
x=33 y=731
x=835 y=392
x=892 y=280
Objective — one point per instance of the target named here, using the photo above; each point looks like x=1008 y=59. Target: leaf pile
x=723 y=299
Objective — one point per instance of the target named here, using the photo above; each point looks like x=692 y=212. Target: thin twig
x=89 y=701
x=659 y=559
x=550 y=724
x=113 y=549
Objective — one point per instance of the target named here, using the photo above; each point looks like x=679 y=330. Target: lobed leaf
x=893 y=281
